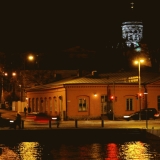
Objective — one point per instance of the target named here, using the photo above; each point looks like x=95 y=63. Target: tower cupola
x=132 y=29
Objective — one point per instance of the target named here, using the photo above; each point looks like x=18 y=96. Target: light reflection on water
x=29 y=150
x=94 y=151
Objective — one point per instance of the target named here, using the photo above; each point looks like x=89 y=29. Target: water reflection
x=95 y=151
x=29 y=150
x=135 y=150
x=6 y=153
x=112 y=152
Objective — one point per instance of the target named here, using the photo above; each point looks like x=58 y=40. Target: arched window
x=45 y=105
x=33 y=105
x=50 y=104
x=37 y=105
x=41 y=105
x=158 y=102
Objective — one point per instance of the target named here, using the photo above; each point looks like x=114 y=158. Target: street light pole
x=113 y=98
x=139 y=98
x=2 y=98
x=139 y=85
x=2 y=91
x=26 y=58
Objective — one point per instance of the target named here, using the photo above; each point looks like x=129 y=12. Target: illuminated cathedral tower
x=132 y=31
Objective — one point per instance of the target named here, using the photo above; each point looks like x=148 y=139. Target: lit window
x=82 y=104
x=129 y=104
x=130 y=79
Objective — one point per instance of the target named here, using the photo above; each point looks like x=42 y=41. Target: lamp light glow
x=95 y=95
x=30 y=58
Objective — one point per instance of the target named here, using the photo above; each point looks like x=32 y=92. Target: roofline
x=71 y=84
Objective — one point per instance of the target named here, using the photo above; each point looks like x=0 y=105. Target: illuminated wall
x=132 y=32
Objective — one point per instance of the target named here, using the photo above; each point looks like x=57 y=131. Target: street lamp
x=30 y=57
x=14 y=74
x=139 y=61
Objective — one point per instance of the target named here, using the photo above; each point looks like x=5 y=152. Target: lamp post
x=26 y=58
x=145 y=94
x=2 y=94
x=139 y=61
x=20 y=96
x=2 y=87
x=13 y=81
x=113 y=98
x=2 y=98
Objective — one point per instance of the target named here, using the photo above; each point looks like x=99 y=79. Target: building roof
x=103 y=78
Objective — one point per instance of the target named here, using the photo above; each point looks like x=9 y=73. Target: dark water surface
x=78 y=145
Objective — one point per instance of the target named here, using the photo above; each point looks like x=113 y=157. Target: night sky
x=50 y=26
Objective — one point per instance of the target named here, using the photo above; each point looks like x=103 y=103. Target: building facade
x=96 y=95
